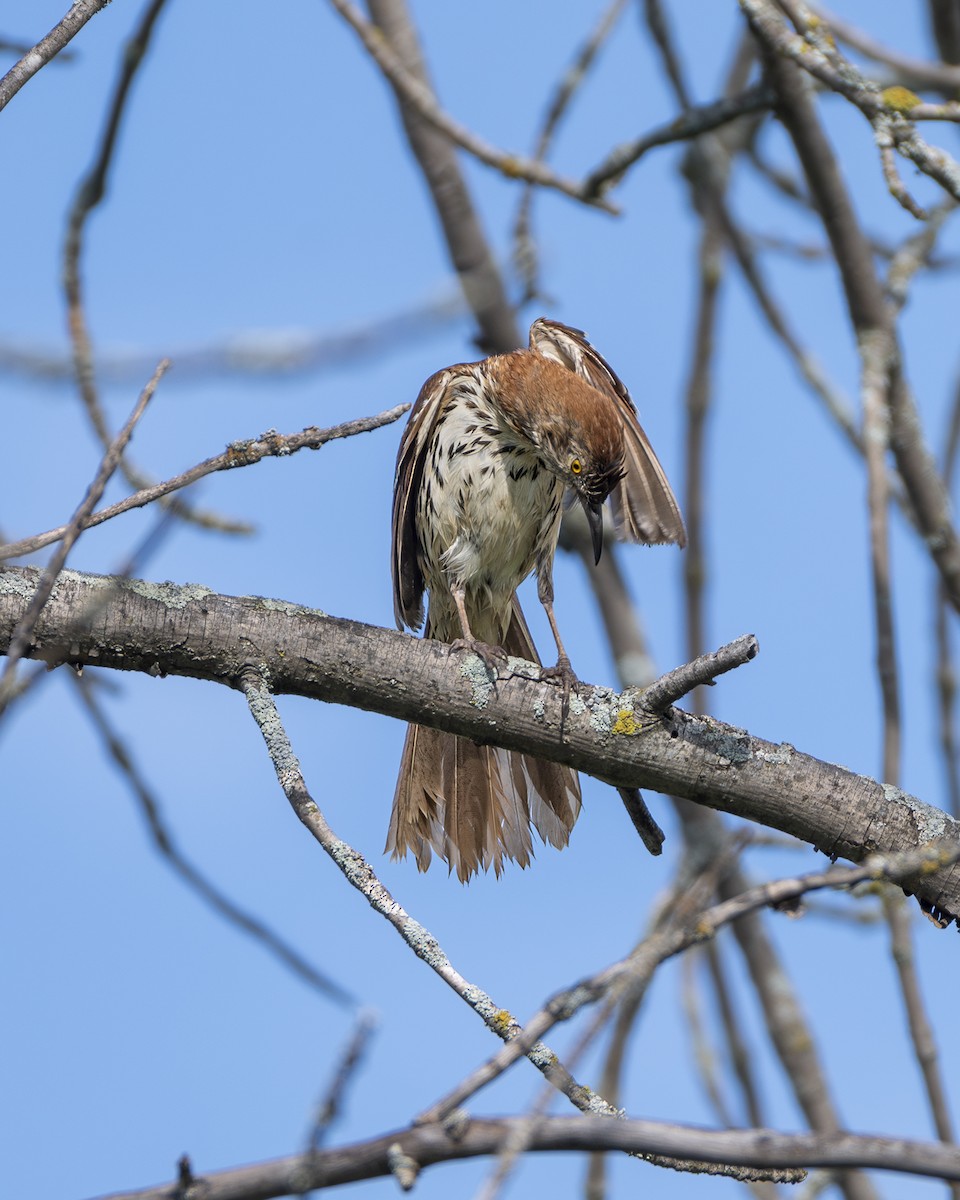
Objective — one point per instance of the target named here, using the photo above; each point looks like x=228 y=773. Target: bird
x=488 y=455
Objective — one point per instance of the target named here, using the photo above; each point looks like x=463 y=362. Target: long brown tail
x=474 y=805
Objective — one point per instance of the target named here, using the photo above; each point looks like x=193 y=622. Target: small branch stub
x=671 y=687
x=404 y=1168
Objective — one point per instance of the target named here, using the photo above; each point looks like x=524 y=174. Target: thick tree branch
x=164 y=629
x=432 y=1144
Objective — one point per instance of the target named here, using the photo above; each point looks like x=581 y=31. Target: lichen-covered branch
x=163 y=629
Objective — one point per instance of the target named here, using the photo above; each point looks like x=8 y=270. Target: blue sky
x=261 y=186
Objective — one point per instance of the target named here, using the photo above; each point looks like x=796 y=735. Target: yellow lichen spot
x=626 y=723
x=899 y=98
x=511 y=168
x=502 y=1019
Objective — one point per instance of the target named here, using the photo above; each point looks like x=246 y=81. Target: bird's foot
x=563 y=671
x=493 y=657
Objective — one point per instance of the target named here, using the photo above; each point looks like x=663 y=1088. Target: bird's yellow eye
x=576 y=466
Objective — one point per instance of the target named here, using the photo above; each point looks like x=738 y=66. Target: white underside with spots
x=477 y=507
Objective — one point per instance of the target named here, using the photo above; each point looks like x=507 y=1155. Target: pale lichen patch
x=779 y=756
x=16 y=585
x=932 y=823
x=474 y=669
x=170 y=595
x=285 y=607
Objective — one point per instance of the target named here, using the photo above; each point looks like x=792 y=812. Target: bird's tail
x=474 y=805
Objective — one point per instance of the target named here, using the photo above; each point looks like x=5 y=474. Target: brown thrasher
x=486 y=457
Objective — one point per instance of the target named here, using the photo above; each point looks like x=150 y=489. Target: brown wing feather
x=644 y=506
x=408 y=581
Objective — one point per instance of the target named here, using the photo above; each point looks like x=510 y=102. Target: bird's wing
x=644 y=506
x=408 y=581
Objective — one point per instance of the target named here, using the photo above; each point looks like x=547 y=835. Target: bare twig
x=889 y=112
x=191 y=875
x=877 y=361
x=361 y=875
x=260 y=353
x=676 y=683
x=415 y=93
x=866 y=302
x=704 y=1057
x=436 y=156
x=330 y=1105
x=39 y=55
x=524 y=248
x=917 y=72
x=90 y=192
x=78 y=522
x=238 y=454
x=915 y=252
x=946 y=674
x=921 y=1030
x=671 y=940
x=690 y=124
x=740 y=1056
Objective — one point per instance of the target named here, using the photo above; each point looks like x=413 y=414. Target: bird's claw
x=491 y=656
x=563 y=671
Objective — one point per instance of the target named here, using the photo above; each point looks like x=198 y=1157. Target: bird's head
x=590 y=462
x=574 y=428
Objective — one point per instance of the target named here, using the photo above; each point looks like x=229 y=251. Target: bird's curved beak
x=595 y=521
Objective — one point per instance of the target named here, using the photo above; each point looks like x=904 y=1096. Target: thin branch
x=890 y=112
x=191 y=875
x=524 y=248
x=90 y=192
x=238 y=454
x=259 y=353
x=420 y=97
x=946 y=674
x=22 y=635
x=350 y=1061
x=679 y=935
x=358 y=872
x=921 y=1031
x=707 y=167
x=915 y=252
x=705 y=1060
x=877 y=358
x=690 y=124
x=917 y=72
x=741 y=1059
x=867 y=305
x=47 y=48
x=437 y=158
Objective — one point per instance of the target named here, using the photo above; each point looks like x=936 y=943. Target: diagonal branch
x=416 y=94
x=237 y=454
x=23 y=633
x=80 y=13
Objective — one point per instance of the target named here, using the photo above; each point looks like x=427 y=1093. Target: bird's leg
x=489 y=654
x=563 y=670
